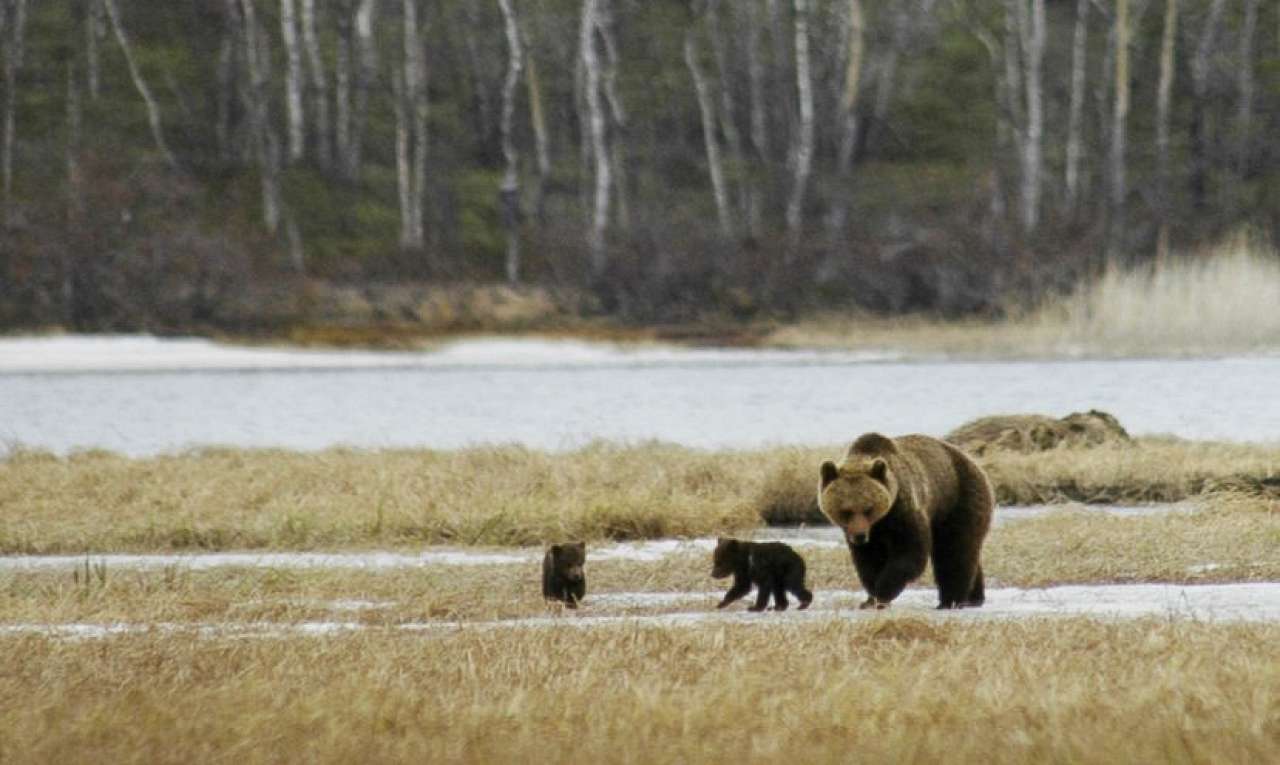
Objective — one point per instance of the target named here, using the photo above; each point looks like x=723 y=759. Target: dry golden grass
x=878 y=689
x=229 y=499
x=1235 y=539
x=1221 y=301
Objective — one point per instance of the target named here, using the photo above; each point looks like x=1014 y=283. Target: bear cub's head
x=568 y=560
x=724 y=561
x=856 y=494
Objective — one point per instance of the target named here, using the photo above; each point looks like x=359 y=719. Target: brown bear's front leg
x=762 y=597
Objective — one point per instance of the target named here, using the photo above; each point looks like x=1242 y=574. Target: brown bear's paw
x=755 y=608
x=872 y=602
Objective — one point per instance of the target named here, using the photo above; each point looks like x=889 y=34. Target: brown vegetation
x=890 y=688
x=244 y=499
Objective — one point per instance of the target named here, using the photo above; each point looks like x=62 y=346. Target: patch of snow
x=1252 y=602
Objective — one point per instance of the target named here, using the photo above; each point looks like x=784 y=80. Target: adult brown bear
x=903 y=502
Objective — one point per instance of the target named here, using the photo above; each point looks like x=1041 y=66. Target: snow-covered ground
x=144 y=353
x=1255 y=602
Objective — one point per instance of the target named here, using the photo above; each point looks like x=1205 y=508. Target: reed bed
x=1215 y=302
x=344 y=499
x=882 y=689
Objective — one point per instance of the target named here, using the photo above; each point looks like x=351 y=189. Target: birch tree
x=706 y=109
x=293 y=80
x=95 y=30
x=1119 y=115
x=847 y=110
x=617 y=113
x=318 y=78
x=411 y=129
x=596 y=127
x=802 y=153
x=1164 y=93
x=266 y=146
x=509 y=190
x=1075 y=108
x=1031 y=32
x=140 y=84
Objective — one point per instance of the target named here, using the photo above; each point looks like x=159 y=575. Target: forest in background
x=178 y=165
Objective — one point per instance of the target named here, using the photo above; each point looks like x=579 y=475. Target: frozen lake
x=141 y=395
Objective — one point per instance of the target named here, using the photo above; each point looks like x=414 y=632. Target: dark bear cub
x=773 y=567
x=562 y=577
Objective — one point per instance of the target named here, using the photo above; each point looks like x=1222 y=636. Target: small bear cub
x=562 y=577
x=773 y=567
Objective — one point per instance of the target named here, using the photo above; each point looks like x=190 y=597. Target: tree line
x=671 y=157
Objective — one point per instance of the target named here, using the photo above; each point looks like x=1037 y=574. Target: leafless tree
x=1164 y=94
x=509 y=190
x=707 y=110
x=1075 y=108
x=596 y=122
x=293 y=80
x=319 y=87
x=153 y=109
x=802 y=152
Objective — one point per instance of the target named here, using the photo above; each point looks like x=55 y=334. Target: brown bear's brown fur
x=1036 y=432
x=903 y=502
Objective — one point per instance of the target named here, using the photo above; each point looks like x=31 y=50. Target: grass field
x=899 y=686
x=230 y=499
x=880 y=689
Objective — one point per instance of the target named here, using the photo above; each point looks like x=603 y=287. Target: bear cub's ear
x=829 y=472
x=879 y=470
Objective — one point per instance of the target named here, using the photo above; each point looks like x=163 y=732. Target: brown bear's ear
x=879 y=470
x=829 y=472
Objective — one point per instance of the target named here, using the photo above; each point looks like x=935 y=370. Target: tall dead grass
x=878 y=689
x=247 y=499
x=1217 y=302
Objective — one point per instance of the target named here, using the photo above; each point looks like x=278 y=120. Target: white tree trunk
x=848 y=115
x=618 y=115
x=153 y=109
x=509 y=191
x=257 y=61
x=293 y=80
x=1075 y=109
x=1164 y=93
x=1032 y=35
x=1119 y=118
x=706 y=107
x=802 y=156
x=366 y=71
x=599 y=148
x=319 y=86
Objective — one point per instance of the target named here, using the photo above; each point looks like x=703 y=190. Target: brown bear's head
x=724 y=561
x=569 y=559
x=857 y=494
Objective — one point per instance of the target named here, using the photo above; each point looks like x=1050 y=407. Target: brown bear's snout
x=857 y=538
x=574 y=574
